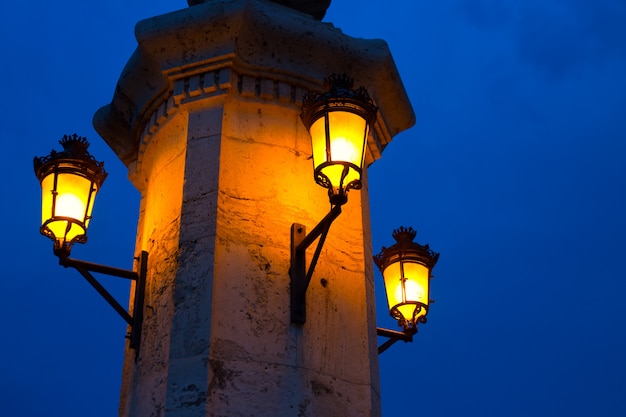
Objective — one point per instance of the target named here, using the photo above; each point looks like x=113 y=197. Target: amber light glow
x=339 y=122
x=69 y=182
x=340 y=162
x=406 y=283
x=66 y=204
x=406 y=267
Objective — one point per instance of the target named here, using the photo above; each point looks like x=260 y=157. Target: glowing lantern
x=339 y=122
x=69 y=182
x=406 y=267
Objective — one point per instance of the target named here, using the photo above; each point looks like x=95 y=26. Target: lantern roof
x=404 y=248
x=75 y=153
x=339 y=87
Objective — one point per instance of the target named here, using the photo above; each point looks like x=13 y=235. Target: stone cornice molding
x=189 y=91
x=266 y=51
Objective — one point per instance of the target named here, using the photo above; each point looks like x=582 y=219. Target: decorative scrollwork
x=339 y=93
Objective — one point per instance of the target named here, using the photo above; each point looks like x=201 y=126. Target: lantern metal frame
x=405 y=249
x=75 y=159
x=340 y=96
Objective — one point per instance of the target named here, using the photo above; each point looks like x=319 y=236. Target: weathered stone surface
x=206 y=117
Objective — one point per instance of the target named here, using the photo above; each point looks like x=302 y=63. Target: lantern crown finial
x=74 y=142
x=338 y=82
x=340 y=87
x=404 y=234
x=75 y=149
x=404 y=237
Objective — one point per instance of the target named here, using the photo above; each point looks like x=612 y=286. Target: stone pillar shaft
x=206 y=117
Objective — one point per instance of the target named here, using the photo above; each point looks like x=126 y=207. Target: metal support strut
x=300 y=276
x=394 y=336
x=135 y=320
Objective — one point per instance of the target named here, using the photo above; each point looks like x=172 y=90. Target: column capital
x=222 y=46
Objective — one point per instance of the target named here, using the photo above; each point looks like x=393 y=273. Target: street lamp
x=70 y=180
x=339 y=122
x=407 y=269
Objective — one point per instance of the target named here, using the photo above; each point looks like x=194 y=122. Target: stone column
x=206 y=118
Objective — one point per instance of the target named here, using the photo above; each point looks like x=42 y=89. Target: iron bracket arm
x=299 y=273
x=394 y=336
x=136 y=319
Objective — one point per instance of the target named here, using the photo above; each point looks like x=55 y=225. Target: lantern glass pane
x=407 y=311
x=347 y=134
x=318 y=141
x=416 y=284
x=393 y=284
x=70 y=209
x=347 y=131
x=406 y=284
x=47 y=197
x=73 y=193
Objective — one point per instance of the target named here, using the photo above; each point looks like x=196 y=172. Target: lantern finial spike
x=73 y=140
x=337 y=82
x=404 y=234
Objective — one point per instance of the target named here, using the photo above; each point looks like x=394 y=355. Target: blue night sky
x=515 y=172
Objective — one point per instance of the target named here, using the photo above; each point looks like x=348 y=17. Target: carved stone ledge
x=257 y=49
x=188 y=90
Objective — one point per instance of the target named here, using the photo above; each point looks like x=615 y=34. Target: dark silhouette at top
x=315 y=8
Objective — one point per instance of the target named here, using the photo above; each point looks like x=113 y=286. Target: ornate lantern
x=406 y=267
x=69 y=180
x=339 y=122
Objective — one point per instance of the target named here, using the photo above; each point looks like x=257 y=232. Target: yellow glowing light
x=69 y=182
x=407 y=287
x=69 y=205
x=66 y=211
x=347 y=133
x=346 y=136
x=343 y=150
